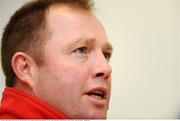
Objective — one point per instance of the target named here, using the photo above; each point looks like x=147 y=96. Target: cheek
x=66 y=75
x=73 y=74
x=58 y=81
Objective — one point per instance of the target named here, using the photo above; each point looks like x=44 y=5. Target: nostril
x=99 y=74
x=105 y=76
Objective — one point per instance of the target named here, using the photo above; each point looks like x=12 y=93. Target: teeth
x=97 y=94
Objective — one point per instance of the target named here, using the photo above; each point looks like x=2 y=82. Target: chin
x=89 y=112
x=92 y=115
x=97 y=115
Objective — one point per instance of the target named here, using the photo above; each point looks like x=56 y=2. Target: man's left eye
x=81 y=50
x=107 y=55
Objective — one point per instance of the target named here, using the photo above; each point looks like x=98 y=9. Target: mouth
x=98 y=95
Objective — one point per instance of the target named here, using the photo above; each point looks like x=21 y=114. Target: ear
x=25 y=68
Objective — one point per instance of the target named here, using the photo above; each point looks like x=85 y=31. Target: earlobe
x=23 y=67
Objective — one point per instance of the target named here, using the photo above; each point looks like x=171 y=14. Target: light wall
x=145 y=35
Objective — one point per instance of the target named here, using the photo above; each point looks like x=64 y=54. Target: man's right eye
x=81 y=51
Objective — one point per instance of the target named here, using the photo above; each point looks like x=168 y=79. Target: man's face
x=75 y=76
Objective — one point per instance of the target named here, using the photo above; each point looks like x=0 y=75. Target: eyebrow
x=106 y=46
x=80 y=41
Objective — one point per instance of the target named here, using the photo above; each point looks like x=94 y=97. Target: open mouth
x=98 y=93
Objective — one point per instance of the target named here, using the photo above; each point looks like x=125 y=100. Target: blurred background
x=145 y=35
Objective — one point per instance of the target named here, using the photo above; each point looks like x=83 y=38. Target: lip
x=98 y=102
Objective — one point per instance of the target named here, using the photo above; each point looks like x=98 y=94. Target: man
x=55 y=57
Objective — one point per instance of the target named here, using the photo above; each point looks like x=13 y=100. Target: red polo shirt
x=16 y=104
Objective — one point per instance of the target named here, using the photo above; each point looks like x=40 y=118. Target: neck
x=24 y=87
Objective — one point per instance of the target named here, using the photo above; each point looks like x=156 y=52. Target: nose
x=100 y=67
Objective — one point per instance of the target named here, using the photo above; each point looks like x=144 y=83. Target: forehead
x=63 y=14
x=71 y=24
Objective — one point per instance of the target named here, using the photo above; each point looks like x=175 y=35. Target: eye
x=107 y=55
x=81 y=50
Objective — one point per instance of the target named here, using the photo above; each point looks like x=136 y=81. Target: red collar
x=16 y=104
